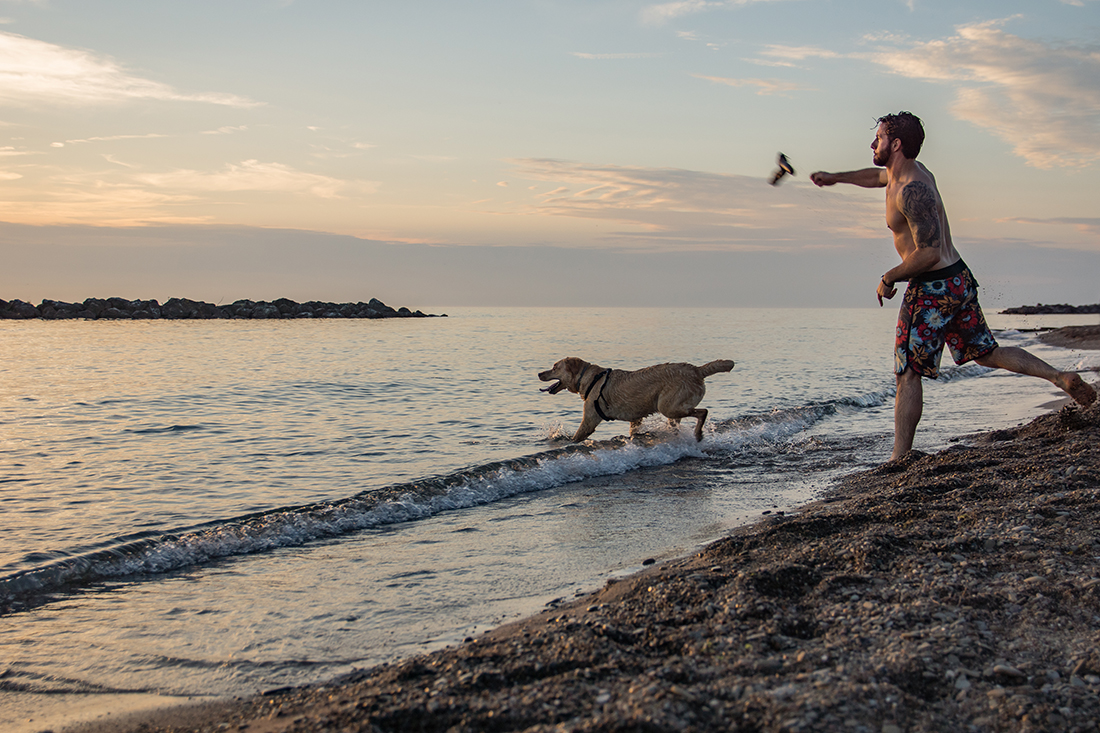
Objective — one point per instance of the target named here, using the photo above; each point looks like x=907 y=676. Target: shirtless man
x=941 y=302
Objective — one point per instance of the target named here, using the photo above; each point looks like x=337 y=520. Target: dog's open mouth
x=553 y=388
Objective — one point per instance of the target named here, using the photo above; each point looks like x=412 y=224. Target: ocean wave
x=298 y=525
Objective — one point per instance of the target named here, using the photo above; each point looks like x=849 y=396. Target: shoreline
x=1073 y=337
x=959 y=587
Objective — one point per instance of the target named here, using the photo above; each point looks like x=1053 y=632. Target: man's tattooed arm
x=918 y=203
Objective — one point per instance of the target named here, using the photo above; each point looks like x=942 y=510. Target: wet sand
x=1073 y=337
x=955 y=591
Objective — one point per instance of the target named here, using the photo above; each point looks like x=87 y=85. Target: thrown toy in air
x=784 y=168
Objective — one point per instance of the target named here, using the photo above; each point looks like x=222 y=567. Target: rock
x=1008 y=671
x=184 y=308
x=266 y=310
x=19 y=310
x=1061 y=309
x=287 y=307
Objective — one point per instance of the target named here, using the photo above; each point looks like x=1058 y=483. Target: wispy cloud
x=764 y=87
x=108 y=138
x=127 y=195
x=791 y=57
x=615 y=56
x=664 y=12
x=252 y=175
x=1083 y=224
x=797 y=53
x=35 y=72
x=1041 y=97
x=71 y=200
x=226 y=130
x=669 y=207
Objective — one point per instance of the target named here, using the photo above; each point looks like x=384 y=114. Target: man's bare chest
x=895 y=219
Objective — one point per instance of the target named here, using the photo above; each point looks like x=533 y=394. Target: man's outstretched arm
x=866 y=178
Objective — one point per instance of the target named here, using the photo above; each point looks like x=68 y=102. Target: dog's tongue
x=553 y=388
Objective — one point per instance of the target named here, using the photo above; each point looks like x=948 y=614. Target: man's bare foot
x=1077 y=388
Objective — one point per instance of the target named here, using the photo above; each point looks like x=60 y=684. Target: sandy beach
x=954 y=591
x=1073 y=337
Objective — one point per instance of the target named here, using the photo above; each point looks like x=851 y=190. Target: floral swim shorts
x=941 y=307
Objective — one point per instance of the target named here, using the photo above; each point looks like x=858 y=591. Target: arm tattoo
x=918 y=203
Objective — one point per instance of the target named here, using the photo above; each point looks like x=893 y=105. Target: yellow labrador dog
x=673 y=390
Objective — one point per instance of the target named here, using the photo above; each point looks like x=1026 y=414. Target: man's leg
x=908 y=405
x=1022 y=362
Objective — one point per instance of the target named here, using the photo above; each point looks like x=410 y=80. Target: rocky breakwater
x=182 y=308
x=1057 y=309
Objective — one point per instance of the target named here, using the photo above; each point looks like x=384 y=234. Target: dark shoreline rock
x=1060 y=309
x=99 y=309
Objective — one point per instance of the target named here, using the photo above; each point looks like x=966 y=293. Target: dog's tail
x=718 y=365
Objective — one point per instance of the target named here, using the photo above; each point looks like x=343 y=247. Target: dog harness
x=602 y=375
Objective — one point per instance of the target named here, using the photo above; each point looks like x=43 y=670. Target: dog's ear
x=573 y=364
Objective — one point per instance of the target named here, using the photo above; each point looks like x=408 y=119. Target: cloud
x=1041 y=97
x=33 y=71
x=226 y=130
x=124 y=196
x=664 y=12
x=659 y=208
x=616 y=56
x=788 y=56
x=252 y=175
x=657 y=14
x=798 y=53
x=108 y=138
x=74 y=200
x=1083 y=224
x=115 y=161
x=764 y=87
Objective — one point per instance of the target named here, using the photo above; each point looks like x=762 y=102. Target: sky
x=536 y=152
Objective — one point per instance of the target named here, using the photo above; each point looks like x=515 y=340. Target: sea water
x=219 y=508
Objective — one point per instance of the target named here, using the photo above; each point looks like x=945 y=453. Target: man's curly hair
x=908 y=128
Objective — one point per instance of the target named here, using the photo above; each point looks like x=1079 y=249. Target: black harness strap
x=602 y=375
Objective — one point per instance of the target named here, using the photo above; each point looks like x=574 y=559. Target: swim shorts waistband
x=941 y=274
